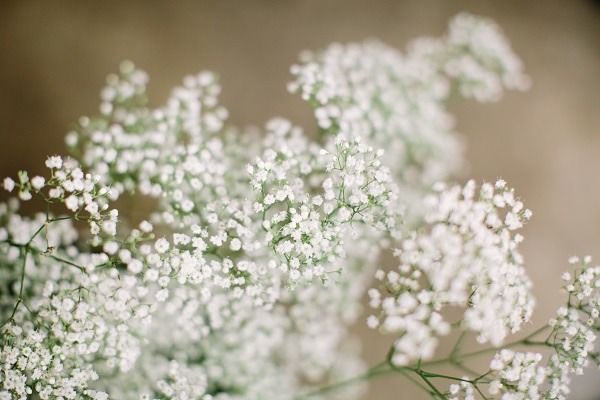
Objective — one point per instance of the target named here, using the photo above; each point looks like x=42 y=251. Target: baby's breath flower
x=244 y=280
x=38 y=182
x=397 y=101
x=54 y=162
x=516 y=375
x=467 y=255
x=8 y=184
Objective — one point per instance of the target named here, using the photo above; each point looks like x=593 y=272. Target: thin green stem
x=460 y=357
x=434 y=389
x=21 y=286
x=26 y=249
x=457 y=345
x=64 y=261
x=378 y=369
x=413 y=380
x=454 y=358
x=36 y=251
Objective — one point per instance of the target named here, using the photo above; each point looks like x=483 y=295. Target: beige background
x=546 y=143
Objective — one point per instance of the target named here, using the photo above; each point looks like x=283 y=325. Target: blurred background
x=54 y=56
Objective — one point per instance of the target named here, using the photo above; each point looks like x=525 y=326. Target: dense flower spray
x=243 y=280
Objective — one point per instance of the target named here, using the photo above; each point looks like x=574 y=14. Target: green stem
x=434 y=389
x=413 y=380
x=64 y=261
x=460 y=357
x=21 y=286
x=36 y=251
x=26 y=249
x=457 y=345
x=379 y=369
x=453 y=358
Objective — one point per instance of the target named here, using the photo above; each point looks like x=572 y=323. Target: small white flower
x=54 y=162
x=37 y=182
x=135 y=266
x=109 y=227
x=9 y=184
x=162 y=295
x=161 y=245
x=25 y=195
x=72 y=203
x=235 y=244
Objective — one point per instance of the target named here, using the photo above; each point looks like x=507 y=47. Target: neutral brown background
x=546 y=143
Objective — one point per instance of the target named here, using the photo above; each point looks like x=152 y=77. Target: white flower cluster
x=64 y=308
x=512 y=376
x=222 y=258
x=322 y=317
x=463 y=390
x=481 y=60
x=574 y=328
x=517 y=375
x=398 y=101
x=466 y=255
x=305 y=221
x=80 y=193
x=243 y=281
x=132 y=146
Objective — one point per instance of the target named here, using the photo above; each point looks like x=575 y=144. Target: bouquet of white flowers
x=244 y=279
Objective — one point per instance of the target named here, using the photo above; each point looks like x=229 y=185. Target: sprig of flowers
x=467 y=255
x=244 y=279
x=570 y=336
x=79 y=193
x=72 y=306
x=398 y=101
x=305 y=222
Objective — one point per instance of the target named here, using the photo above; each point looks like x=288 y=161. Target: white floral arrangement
x=244 y=279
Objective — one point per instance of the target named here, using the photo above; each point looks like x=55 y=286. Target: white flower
x=517 y=375
x=235 y=244
x=72 y=203
x=25 y=195
x=37 y=182
x=146 y=226
x=9 y=184
x=109 y=227
x=161 y=245
x=274 y=237
x=135 y=266
x=55 y=162
x=469 y=258
x=162 y=295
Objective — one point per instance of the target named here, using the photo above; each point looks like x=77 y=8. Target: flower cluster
x=221 y=266
x=466 y=255
x=570 y=335
x=307 y=196
x=574 y=328
x=517 y=375
x=396 y=101
x=463 y=390
x=481 y=60
x=80 y=193
x=72 y=307
x=134 y=147
x=244 y=279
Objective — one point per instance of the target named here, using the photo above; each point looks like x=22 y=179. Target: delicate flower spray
x=243 y=281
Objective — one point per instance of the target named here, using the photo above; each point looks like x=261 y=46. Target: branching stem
x=454 y=358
